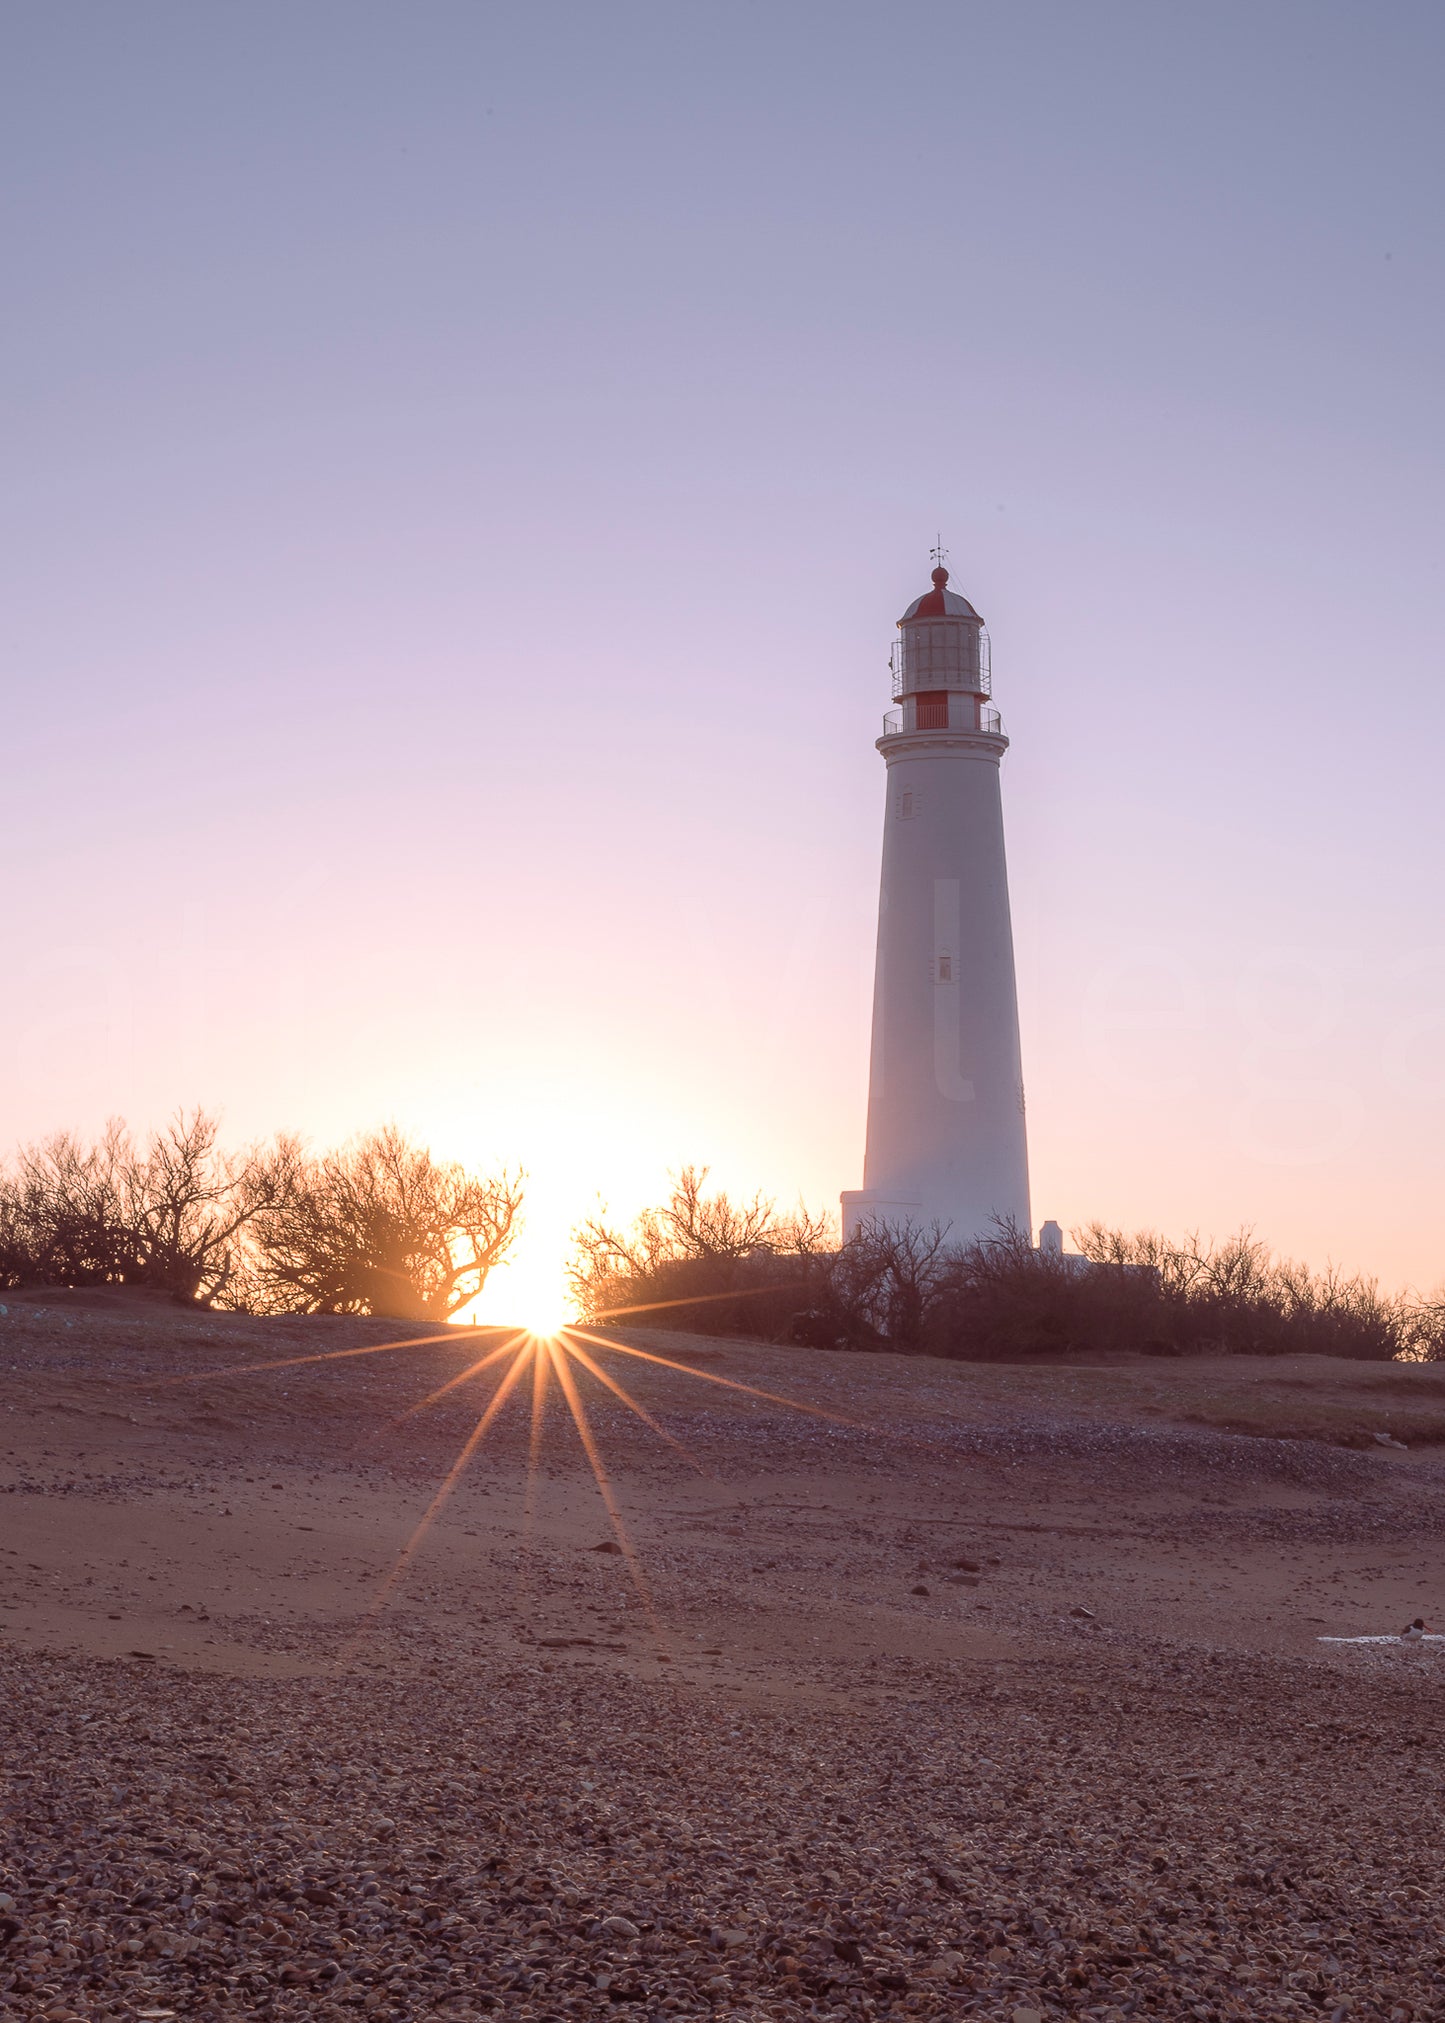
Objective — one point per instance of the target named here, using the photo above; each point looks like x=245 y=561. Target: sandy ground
x=965 y=1690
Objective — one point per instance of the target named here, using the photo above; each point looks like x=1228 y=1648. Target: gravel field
x=1001 y=1698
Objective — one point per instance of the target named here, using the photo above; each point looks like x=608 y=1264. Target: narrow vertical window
x=905 y=803
x=945 y=969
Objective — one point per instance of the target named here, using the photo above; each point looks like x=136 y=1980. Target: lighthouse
x=946 y=1133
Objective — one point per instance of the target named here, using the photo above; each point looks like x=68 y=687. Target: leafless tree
x=719 y=1265
x=880 y=1288
x=1236 y=1297
x=999 y=1299
x=1425 y=1330
x=69 y=1208
x=379 y=1227
x=15 y=1259
x=169 y=1217
x=186 y=1206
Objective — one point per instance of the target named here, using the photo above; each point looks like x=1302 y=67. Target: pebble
x=452 y=1844
x=1125 y=1828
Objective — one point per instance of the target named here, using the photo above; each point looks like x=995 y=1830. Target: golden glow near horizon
x=529 y=1287
x=528 y=1290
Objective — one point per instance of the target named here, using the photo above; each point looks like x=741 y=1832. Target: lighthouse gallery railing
x=952 y=713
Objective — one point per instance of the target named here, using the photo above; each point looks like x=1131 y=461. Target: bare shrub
x=710 y=1264
x=699 y=1261
x=378 y=1227
x=15 y=1259
x=1236 y=1298
x=169 y=1217
x=881 y=1289
x=1425 y=1330
x=69 y=1209
x=999 y=1299
x=186 y=1207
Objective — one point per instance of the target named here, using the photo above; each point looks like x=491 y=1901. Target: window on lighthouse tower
x=945 y=969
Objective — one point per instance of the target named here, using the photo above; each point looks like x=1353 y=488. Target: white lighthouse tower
x=946 y=1134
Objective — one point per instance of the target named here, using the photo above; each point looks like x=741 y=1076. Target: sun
x=545 y=1322
x=536 y=1317
x=528 y=1288
x=528 y=1291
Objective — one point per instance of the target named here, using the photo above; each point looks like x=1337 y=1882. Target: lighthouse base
x=862 y=1206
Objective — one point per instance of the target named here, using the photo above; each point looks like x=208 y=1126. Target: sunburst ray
x=580 y=1355
x=727 y=1383
x=910 y=1438
x=698 y=1299
x=449 y=1482
x=450 y=1335
x=541 y=1377
x=551 y=1359
x=462 y=1376
x=567 y=1384
x=541 y=1370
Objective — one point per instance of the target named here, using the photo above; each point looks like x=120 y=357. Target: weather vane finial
x=938 y=554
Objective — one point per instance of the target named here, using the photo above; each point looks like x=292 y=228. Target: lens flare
x=555 y=1353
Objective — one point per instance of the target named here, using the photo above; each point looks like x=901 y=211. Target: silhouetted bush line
x=709 y=1265
x=702 y=1262
x=379 y=1227
x=375 y=1227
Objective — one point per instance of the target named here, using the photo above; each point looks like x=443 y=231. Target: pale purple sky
x=463 y=467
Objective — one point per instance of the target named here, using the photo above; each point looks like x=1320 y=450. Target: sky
x=463 y=468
